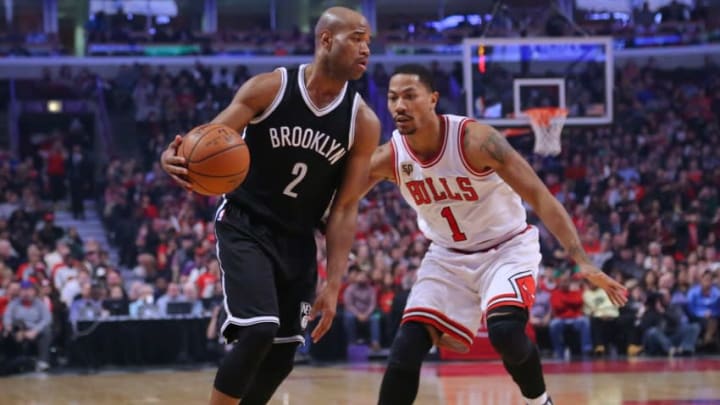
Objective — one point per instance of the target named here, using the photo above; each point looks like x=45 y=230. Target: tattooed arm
x=486 y=148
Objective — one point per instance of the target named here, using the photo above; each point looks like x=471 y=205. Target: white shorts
x=453 y=290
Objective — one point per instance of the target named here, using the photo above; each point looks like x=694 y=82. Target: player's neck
x=321 y=83
x=428 y=140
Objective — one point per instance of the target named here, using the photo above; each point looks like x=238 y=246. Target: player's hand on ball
x=325 y=303
x=175 y=165
x=616 y=291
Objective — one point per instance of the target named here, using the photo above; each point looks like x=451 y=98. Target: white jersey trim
x=395 y=161
x=461 y=151
x=355 y=107
x=436 y=159
x=424 y=313
x=290 y=339
x=233 y=320
x=319 y=112
x=220 y=213
x=276 y=101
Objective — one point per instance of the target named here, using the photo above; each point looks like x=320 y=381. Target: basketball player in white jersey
x=466 y=183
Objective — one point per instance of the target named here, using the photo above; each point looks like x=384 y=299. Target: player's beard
x=406 y=127
x=407 y=131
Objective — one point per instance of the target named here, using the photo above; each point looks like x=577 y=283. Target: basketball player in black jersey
x=310 y=137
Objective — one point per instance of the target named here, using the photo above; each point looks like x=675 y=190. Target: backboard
x=505 y=76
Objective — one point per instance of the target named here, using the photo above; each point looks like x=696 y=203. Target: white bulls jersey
x=457 y=207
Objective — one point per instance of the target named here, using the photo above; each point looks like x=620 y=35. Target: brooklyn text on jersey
x=307 y=138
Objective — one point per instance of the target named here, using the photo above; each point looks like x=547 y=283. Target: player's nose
x=364 y=49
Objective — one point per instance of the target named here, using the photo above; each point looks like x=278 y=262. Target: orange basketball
x=217 y=158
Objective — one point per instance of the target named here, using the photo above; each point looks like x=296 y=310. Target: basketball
x=217 y=158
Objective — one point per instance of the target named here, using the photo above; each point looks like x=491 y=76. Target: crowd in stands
x=17 y=42
x=642 y=192
x=673 y=24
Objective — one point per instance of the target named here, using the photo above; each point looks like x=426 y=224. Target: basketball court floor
x=622 y=382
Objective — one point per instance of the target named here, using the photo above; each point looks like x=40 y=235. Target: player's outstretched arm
x=382 y=166
x=251 y=100
x=486 y=147
x=340 y=230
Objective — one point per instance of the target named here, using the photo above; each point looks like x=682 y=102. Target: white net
x=547 y=124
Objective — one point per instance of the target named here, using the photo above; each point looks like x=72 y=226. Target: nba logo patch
x=304 y=314
x=407 y=168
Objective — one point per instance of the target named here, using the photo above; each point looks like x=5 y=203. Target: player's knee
x=281 y=360
x=506 y=330
x=276 y=366
x=252 y=344
x=410 y=346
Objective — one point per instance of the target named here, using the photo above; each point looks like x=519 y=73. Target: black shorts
x=267 y=275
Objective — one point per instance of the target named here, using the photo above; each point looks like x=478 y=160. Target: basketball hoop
x=547 y=124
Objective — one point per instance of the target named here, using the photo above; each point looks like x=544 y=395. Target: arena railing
x=665 y=57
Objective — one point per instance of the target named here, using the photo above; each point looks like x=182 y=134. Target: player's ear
x=434 y=97
x=326 y=39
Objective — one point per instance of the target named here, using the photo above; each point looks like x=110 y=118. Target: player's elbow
x=345 y=210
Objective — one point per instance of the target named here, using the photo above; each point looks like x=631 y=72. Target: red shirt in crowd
x=566 y=304
x=385 y=300
x=3 y=304
x=203 y=281
x=56 y=164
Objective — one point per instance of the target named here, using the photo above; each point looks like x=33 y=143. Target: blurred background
x=123 y=262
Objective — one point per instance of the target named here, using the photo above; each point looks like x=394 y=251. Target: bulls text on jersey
x=429 y=190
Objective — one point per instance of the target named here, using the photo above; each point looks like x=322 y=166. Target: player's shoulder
x=474 y=131
x=365 y=112
x=485 y=146
x=265 y=82
x=367 y=122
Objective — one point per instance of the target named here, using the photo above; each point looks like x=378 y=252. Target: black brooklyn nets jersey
x=297 y=155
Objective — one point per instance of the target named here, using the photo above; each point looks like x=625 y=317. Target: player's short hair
x=421 y=71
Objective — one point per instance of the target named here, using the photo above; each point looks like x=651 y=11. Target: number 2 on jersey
x=457 y=235
x=299 y=171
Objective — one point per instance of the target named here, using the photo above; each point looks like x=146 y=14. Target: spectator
x=8 y=254
x=50 y=233
x=665 y=330
x=116 y=303
x=172 y=295
x=11 y=291
x=360 y=300
x=89 y=305
x=603 y=318
x=190 y=294
x=540 y=316
x=79 y=177
x=704 y=307
x=567 y=305
x=56 y=171
x=386 y=296
x=144 y=306
x=26 y=326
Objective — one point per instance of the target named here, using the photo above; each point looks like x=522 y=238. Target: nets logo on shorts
x=304 y=314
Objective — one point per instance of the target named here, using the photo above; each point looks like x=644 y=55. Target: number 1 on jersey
x=457 y=235
x=299 y=170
